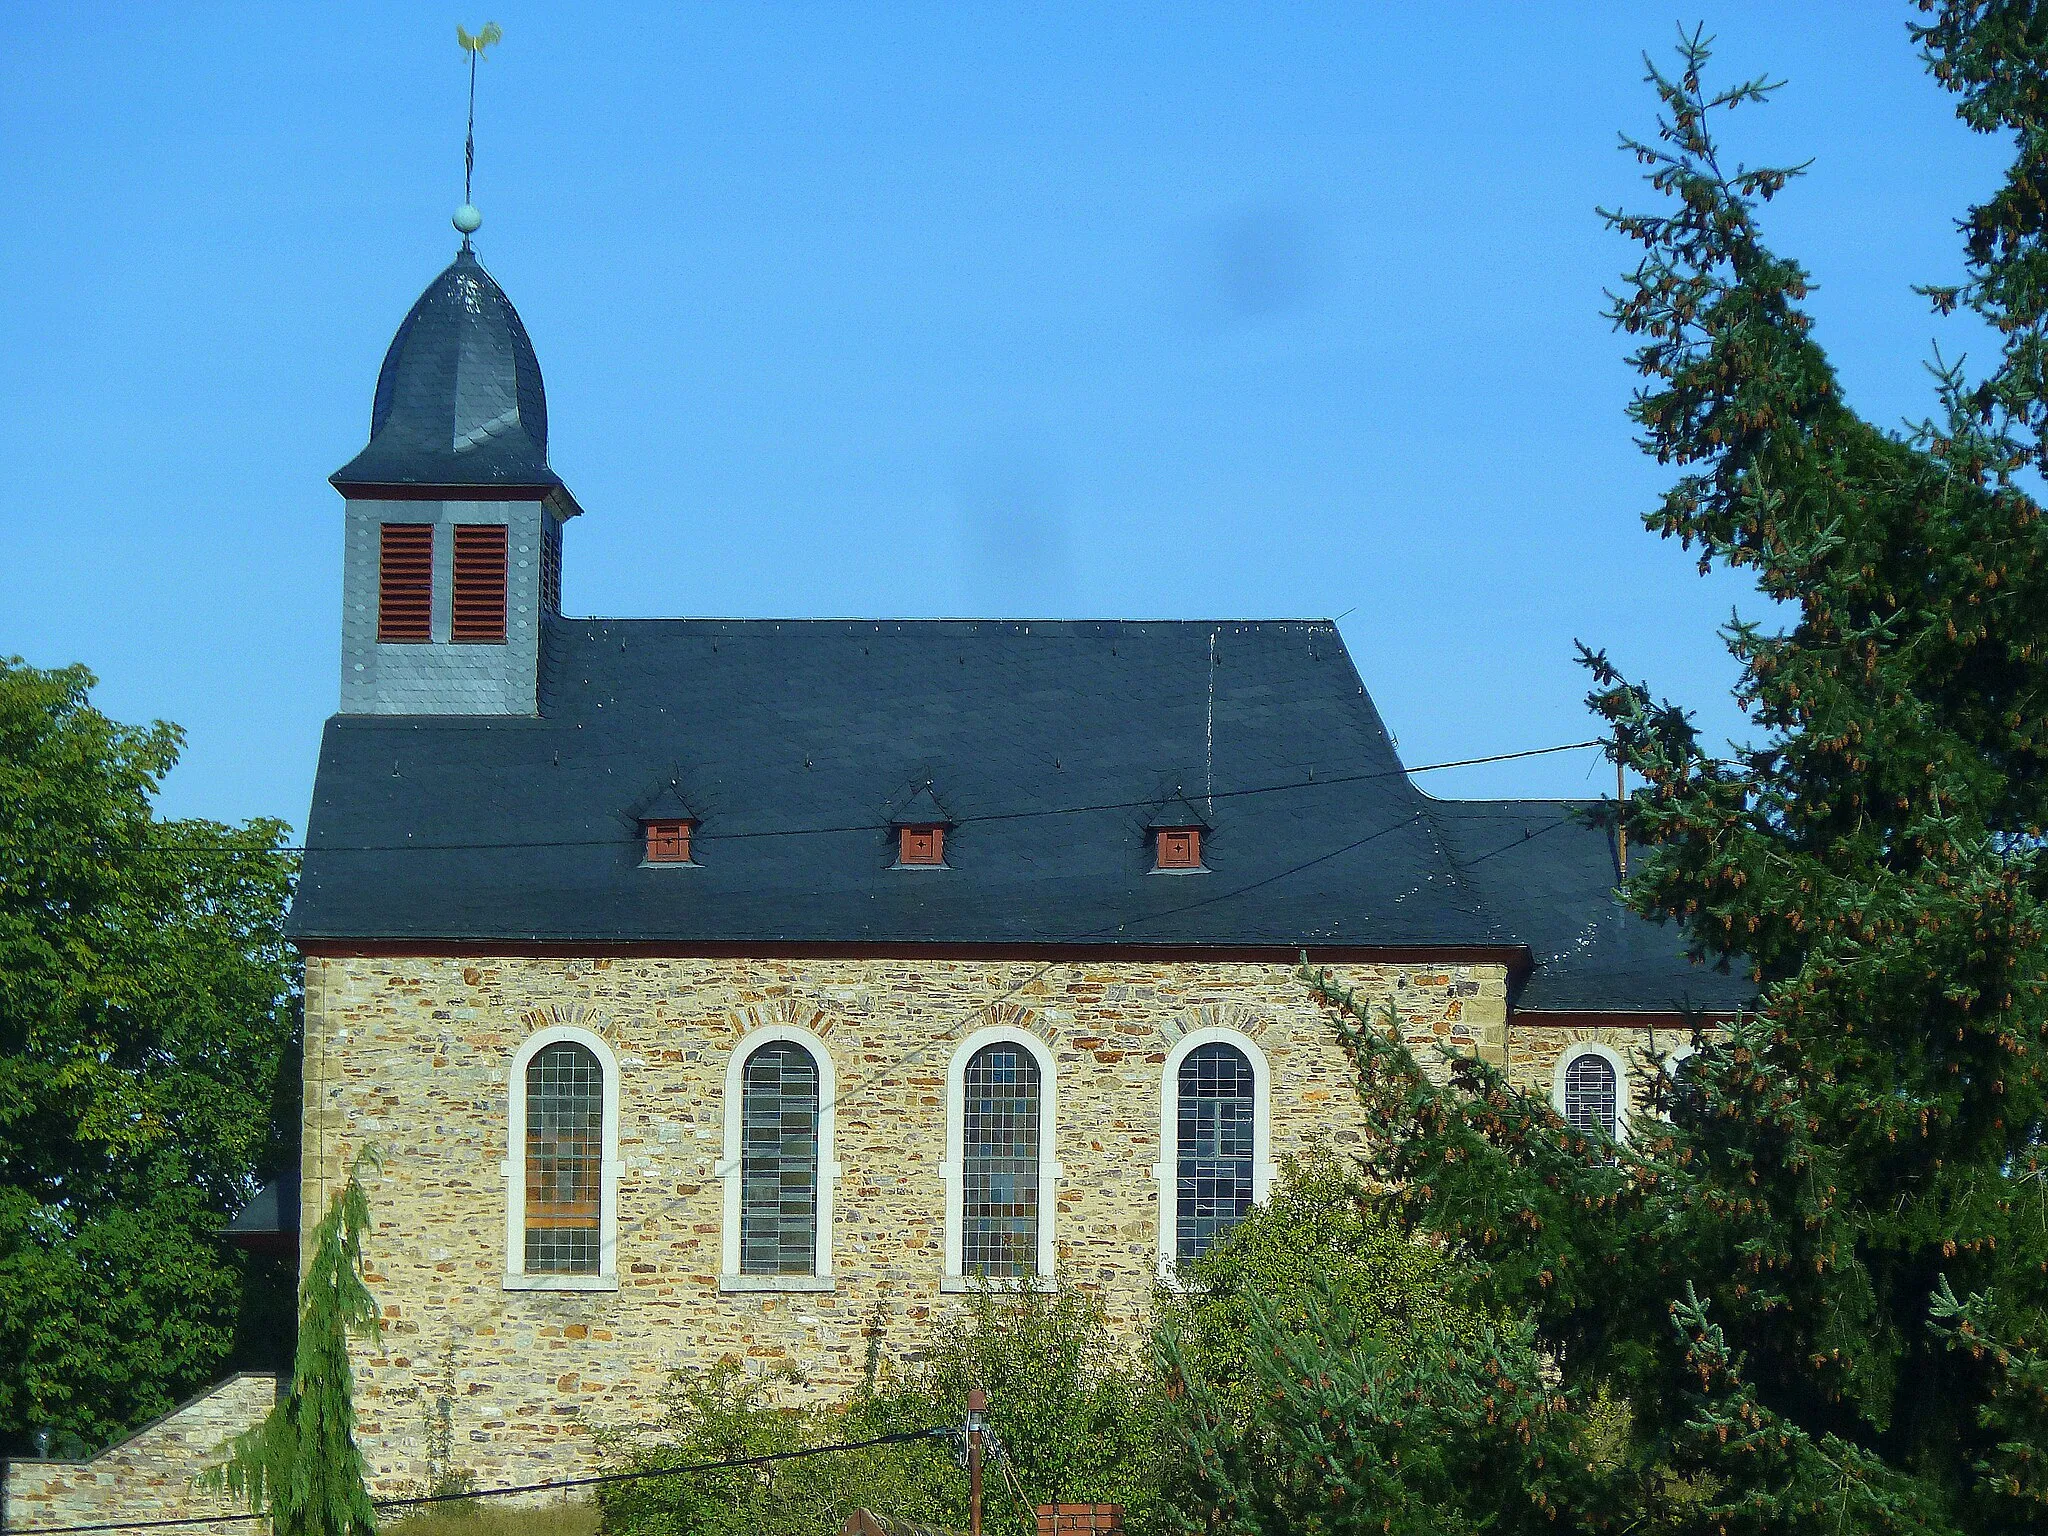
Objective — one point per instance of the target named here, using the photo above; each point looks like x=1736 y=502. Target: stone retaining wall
x=148 y=1475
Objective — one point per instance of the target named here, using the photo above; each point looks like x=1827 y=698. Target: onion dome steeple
x=459 y=402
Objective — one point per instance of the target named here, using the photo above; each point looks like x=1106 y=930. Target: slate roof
x=1549 y=877
x=272 y=1212
x=459 y=399
x=1053 y=743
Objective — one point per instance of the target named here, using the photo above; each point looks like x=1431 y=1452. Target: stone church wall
x=509 y=1385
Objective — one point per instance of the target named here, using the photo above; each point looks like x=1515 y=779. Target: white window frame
x=1614 y=1059
x=1166 y=1172
x=953 y=1169
x=607 y=1276
x=731 y=1163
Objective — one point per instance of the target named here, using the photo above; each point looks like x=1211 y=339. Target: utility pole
x=1620 y=806
x=977 y=1405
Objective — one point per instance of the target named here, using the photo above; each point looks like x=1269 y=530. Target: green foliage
x=1316 y=1245
x=724 y=1414
x=1819 y=1278
x=1073 y=1412
x=147 y=1007
x=1325 y=1378
x=1073 y=1409
x=1442 y=1429
x=500 y=1517
x=301 y=1463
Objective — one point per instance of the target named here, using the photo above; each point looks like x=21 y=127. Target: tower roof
x=459 y=399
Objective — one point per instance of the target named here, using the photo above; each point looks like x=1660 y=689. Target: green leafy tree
x=1325 y=1378
x=1072 y=1407
x=1073 y=1415
x=725 y=1414
x=1819 y=1278
x=1318 y=1241
x=301 y=1464
x=147 y=1007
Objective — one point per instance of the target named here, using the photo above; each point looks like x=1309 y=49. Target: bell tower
x=453 y=562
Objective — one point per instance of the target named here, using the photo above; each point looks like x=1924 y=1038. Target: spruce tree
x=301 y=1463
x=1818 y=1277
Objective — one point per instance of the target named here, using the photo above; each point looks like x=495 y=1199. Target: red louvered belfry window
x=479 y=614
x=405 y=584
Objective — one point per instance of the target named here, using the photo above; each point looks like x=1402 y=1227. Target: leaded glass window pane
x=779 y=1162
x=1589 y=1094
x=564 y=1159
x=1213 y=1168
x=999 y=1184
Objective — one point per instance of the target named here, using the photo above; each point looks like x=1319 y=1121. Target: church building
x=756 y=987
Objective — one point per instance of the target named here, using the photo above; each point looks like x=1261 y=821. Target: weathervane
x=467 y=219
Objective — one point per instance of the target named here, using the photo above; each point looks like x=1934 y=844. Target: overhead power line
x=847 y=828
x=901 y=1437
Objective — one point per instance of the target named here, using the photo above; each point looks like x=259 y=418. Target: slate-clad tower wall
x=442 y=677
x=458 y=438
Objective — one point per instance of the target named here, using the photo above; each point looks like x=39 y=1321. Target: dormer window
x=921 y=845
x=668 y=842
x=920 y=827
x=1177 y=829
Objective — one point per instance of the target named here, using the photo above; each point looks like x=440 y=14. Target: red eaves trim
x=1515 y=959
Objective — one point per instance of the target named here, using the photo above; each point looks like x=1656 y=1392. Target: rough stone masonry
x=414 y=1054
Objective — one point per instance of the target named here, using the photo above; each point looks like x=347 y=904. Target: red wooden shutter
x=405 y=584
x=1180 y=850
x=479 y=585
x=668 y=842
x=921 y=845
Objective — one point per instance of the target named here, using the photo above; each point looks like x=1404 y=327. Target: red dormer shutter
x=479 y=617
x=921 y=845
x=1180 y=848
x=668 y=842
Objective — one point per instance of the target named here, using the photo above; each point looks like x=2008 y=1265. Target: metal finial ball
x=467 y=219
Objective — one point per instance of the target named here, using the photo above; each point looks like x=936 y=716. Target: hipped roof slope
x=1052 y=746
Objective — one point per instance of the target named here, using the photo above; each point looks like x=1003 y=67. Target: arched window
x=1591 y=1093
x=776 y=1164
x=1214 y=1101
x=1215 y=1152
x=779 y=1162
x=999 y=1154
x=564 y=1158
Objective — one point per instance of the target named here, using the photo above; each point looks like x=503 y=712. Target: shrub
x=1074 y=1412
x=724 y=1414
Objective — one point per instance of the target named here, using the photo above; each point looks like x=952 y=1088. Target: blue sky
x=850 y=310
